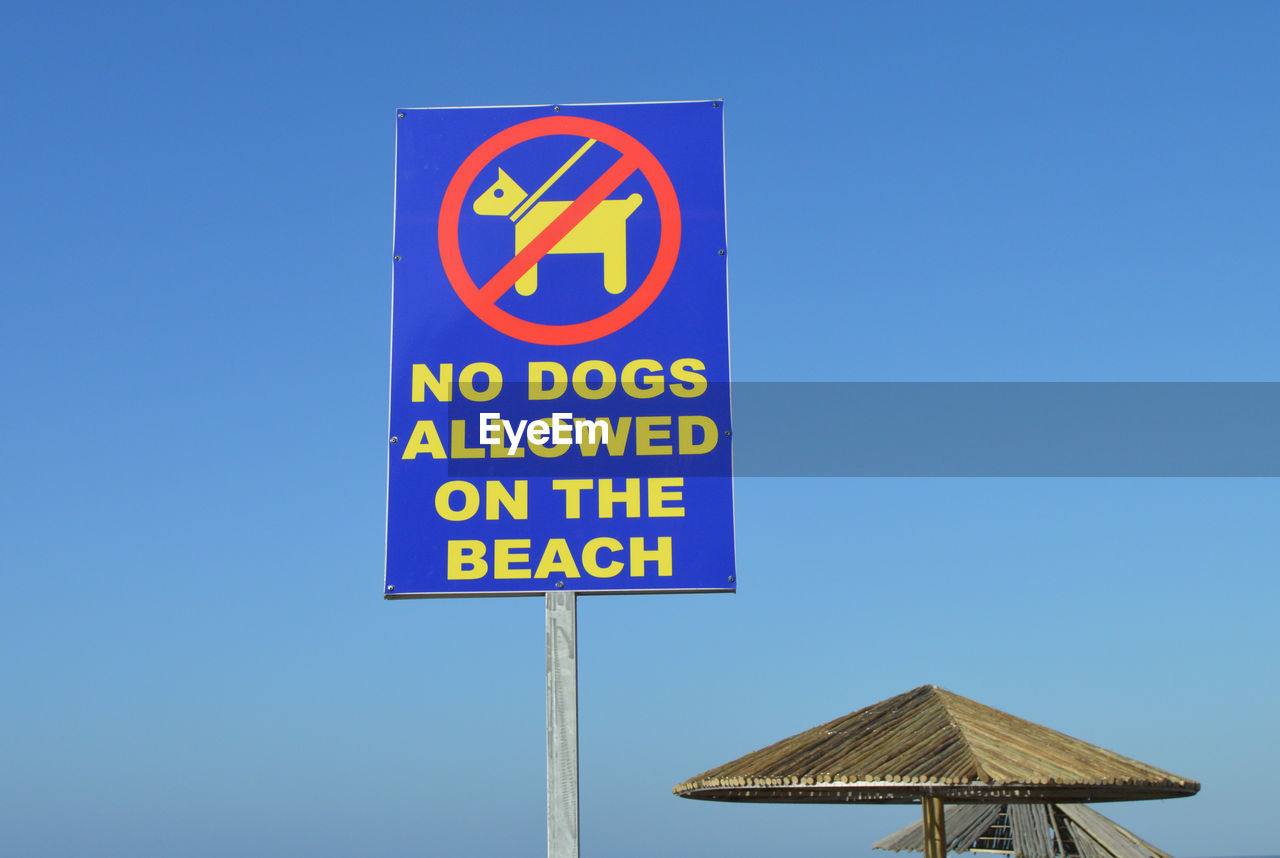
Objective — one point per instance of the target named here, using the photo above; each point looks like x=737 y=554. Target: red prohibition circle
x=485 y=306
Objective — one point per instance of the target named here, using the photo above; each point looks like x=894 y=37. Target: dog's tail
x=633 y=203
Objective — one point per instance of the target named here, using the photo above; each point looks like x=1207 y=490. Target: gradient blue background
x=195 y=246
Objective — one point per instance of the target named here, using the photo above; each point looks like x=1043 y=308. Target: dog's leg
x=615 y=243
x=528 y=282
x=525 y=231
x=615 y=268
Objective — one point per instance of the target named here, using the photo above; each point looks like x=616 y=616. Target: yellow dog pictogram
x=604 y=231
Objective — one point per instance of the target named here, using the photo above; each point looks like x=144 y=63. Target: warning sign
x=589 y=224
x=559 y=413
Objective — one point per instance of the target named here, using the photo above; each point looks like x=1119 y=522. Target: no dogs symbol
x=590 y=223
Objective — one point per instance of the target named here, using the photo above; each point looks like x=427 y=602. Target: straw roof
x=1029 y=831
x=935 y=743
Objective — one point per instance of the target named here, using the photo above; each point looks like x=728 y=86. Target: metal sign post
x=560 y=419
x=562 y=725
x=560 y=267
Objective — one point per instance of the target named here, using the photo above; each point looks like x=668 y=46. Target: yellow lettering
x=470 y=500
x=653 y=384
x=425 y=439
x=591 y=557
x=548 y=451
x=497 y=498
x=608 y=379
x=466 y=560
x=423 y=378
x=710 y=434
x=458 y=448
x=559 y=380
x=630 y=496
x=661 y=555
x=505 y=554
x=502 y=451
x=572 y=495
x=659 y=494
x=689 y=370
x=647 y=432
x=557 y=557
x=616 y=443
x=493 y=381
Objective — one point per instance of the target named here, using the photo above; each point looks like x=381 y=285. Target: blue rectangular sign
x=559 y=415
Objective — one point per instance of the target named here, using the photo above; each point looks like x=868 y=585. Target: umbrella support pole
x=562 y=725
x=935 y=827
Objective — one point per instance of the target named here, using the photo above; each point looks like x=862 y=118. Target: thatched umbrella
x=1028 y=831
x=931 y=746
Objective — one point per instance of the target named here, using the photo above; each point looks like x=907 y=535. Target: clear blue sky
x=195 y=249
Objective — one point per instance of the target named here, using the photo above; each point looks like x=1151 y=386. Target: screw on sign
x=591 y=223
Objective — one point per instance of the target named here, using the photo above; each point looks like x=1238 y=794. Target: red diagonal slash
x=550 y=236
x=635 y=157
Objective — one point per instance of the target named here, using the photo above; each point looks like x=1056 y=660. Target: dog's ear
x=501 y=198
